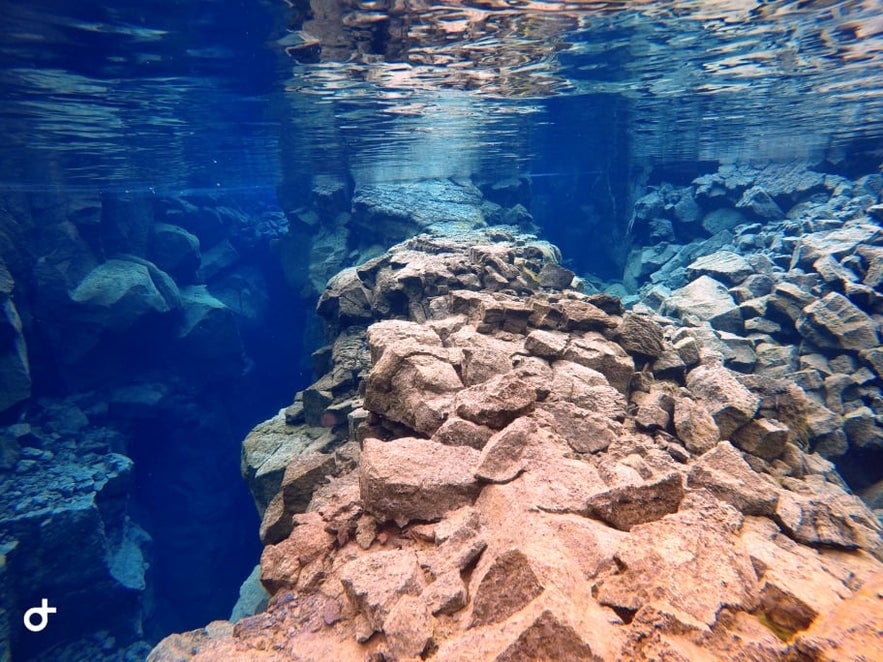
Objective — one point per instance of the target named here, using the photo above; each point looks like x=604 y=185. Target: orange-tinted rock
x=505 y=587
x=375 y=582
x=416 y=479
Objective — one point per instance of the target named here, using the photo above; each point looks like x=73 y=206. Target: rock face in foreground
x=489 y=470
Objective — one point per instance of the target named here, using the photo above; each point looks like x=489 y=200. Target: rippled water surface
x=242 y=94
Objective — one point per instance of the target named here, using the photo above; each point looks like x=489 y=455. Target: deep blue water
x=174 y=110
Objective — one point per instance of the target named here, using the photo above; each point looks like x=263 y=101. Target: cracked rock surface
x=491 y=469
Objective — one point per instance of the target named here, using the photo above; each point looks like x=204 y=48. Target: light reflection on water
x=153 y=95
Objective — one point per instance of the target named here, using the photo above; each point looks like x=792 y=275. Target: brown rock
x=456 y=431
x=834 y=321
x=586 y=388
x=763 y=437
x=724 y=473
x=276 y=523
x=584 y=431
x=691 y=577
x=505 y=586
x=579 y=315
x=547 y=344
x=375 y=582
x=281 y=564
x=640 y=335
x=496 y=402
x=548 y=638
x=788 y=300
x=415 y=390
x=605 y=356
x=726 y=399
x=482 y=363
x=654 y=409
x=694 y=426
x=501 y=459
x=416 y=479
x=413 y=380
x=625 y=506
x=408 y=627
x=812 y=521
x=446 y=595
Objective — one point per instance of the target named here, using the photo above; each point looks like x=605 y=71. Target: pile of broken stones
x=786 y=265
x=496 y=466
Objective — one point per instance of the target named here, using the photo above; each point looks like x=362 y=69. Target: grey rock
x=15 y=373
x=216 y=259
x=398 y=211
x=862 y=430
x=835 y=322
x=707 y=300
x=758 y=202
x=722 y=219
x=838 y=243
x=174 y=250
x=788 y=300
x=724 y=266
x=345 y=299
x=208 y=328
x=118 y=293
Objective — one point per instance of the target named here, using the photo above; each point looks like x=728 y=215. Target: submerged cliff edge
x=494 y=465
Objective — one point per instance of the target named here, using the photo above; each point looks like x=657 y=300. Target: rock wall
x=128 y=323
x=493 y=465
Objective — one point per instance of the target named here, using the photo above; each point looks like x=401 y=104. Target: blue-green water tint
x=224 y=104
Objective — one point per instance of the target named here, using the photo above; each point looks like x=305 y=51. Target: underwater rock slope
x=496 y=466
x=786 y=264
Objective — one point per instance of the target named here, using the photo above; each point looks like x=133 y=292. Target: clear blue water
x=241 y=103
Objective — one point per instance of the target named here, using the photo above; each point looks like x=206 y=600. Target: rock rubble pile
x=496 y=466
x=785 y=264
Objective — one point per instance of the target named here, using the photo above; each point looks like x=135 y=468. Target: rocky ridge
x=496 y=466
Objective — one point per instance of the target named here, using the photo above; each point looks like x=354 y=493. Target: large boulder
x=723 y=396
x=724 y=266
x=706 y=300
x=835 y=322
x=175 y=251
x=119 y=292
x=416 y=479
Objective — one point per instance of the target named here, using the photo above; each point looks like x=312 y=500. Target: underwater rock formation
x=124 y=326
x=492 y=469
x=792 y=294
